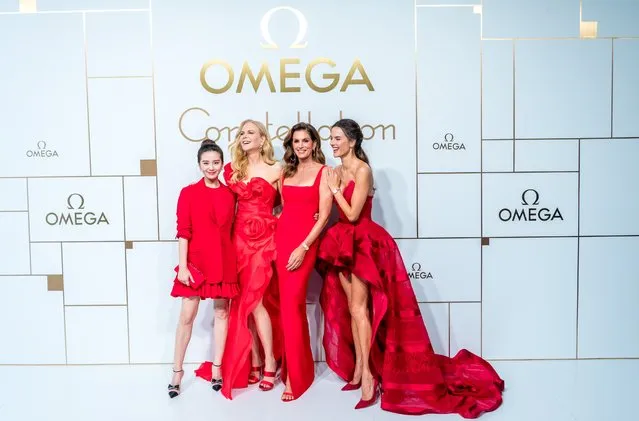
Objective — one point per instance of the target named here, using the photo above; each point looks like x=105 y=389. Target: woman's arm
x=363 y=182
x=184 y=233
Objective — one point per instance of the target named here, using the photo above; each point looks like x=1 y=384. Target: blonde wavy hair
x=239 y=159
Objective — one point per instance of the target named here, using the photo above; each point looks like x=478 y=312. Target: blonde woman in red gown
x=253 y=176
x=374 y=334
x=304 y=191
x=205 y=213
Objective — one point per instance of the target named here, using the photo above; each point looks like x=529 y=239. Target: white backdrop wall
x=503 y=136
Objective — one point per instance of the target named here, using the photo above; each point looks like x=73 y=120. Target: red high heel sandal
x=265 y=385
x=369 y=402
x=351 y=386
x=252 y=377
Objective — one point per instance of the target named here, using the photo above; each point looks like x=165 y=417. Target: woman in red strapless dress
x=304 y=192
x=373 y=330
x=205 y=213
x=252 y=176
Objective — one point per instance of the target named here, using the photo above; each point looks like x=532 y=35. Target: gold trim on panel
x=55 y=283
x=86 y=84
x=127 y=245
x=416 y=125
x=450 y=328
x=155 y=138
x=588 y=29
x=28 y=6
x=148 y=168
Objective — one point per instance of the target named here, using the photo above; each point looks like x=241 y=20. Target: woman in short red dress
x=254 y=316
x=304 y=194
x=374 y=334
x=205 y=213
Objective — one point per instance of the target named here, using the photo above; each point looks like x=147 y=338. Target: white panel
x=609 y=172
x=465 y=327
x=530 y=19
x=436 y=319
x=563 y=88
x=58 y=5
x=33 y=331
x=46 y=258
x=497 y=90
x=43 y=96
x=76 y=209
x=530 y=204
x=616 y=18
x=154 y=314
x=449 y=205
x=449 y=93
x=529 y=300
x=94 y=273
x=316 y=328
x=443 y=270
x=547 y=155
x=97 y=335
x=140 y=207
x=625 y=105
x=118 y=44
x=116 y=149
x=497 y=155
x=9 y=6
x=608 y=292
x=14 y=243
x=14 y=194
x=184 y=39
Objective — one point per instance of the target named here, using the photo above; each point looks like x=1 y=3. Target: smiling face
x=340 y=144
x=302 y=144
x=250 y=137
x=211 y=165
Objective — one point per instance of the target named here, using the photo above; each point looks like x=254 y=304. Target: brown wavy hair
x=291 y=160
x=239 y=159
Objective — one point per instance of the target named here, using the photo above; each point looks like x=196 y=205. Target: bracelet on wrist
x=305 y=246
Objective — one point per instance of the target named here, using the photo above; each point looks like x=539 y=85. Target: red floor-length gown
x=301 y=203
x=254 y=241
x=205 y=218
x=414 y=379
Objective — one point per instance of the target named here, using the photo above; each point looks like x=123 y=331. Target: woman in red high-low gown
x=205 y=213
x=253 y=177
x=304 y=192
x=373 y=330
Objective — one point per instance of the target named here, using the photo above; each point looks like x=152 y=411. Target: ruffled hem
x=415 y=380
x=206 y=290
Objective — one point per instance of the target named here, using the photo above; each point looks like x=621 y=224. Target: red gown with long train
x=414 y=379
x=254 y=241
x=301 y=203
x=205 y=219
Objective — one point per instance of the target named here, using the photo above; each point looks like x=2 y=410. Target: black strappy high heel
x=216 y=384
x=174 y=389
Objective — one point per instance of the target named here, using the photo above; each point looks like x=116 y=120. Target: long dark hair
x=352 y=131
x=290 y=159
x=208 y=145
